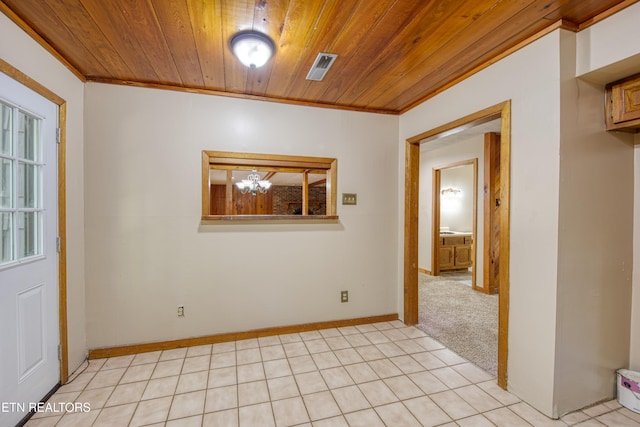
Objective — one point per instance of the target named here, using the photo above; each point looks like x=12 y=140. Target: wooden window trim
x=231 y=160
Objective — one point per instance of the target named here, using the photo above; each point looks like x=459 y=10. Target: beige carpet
x=464 y=320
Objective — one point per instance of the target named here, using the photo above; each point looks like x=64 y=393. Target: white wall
x=569 y=282
x=608 y=51
x=19 y=50
x=148 y=252
x=456 y=213
x=469 y=148
x=603 y=57
x=595 y=244
x=535 y=139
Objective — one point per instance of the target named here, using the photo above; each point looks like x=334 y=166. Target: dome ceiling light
x=252 y=48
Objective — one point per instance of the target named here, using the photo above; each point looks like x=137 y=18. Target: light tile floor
x=382 y=374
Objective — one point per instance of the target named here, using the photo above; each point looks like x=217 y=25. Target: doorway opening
x=454 y=218
x=500 y=111
x=453 y=307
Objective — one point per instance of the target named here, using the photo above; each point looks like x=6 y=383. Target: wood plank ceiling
x=392 y=54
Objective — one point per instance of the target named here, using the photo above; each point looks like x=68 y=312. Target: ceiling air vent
x=323 y=62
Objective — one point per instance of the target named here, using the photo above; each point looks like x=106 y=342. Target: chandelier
x=253 y=184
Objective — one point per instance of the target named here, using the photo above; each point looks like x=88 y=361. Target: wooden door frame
x=435 y=217
x=41 y=90
x=412 y=191
x=491 y=141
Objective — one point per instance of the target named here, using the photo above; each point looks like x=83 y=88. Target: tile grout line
x=332 y=349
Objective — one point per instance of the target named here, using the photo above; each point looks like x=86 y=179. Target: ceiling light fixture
x=253 y=184
x=252 y=48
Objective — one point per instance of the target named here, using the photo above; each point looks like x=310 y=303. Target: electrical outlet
x=181 y=311
x=344 y=296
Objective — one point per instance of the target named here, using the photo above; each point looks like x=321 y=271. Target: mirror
x=261 y=186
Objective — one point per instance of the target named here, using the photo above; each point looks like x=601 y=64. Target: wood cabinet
x=462 y=256
x=623 y=105
x=455 y=252
x=447 y=257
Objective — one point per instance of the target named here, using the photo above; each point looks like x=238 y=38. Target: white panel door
x=29 y=365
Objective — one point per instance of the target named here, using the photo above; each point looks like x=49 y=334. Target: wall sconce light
x=451 y=192
x=252 y=48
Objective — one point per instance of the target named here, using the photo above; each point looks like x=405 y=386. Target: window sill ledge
x=213 y=219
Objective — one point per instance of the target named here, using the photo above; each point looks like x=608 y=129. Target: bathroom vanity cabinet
x=455 y=251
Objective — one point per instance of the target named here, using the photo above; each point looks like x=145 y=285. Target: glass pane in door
x=6 y=115
x=21 y=192
x=29 y=232
x=6 y=183
x=6 y=237
x=28 y=137
x=28 y=185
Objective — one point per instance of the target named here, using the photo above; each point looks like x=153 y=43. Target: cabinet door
x=446 y=257
x=623 y=104
x=462 y=256
x=626 y=101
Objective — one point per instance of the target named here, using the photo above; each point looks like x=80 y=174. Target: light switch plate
x=349 y=199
